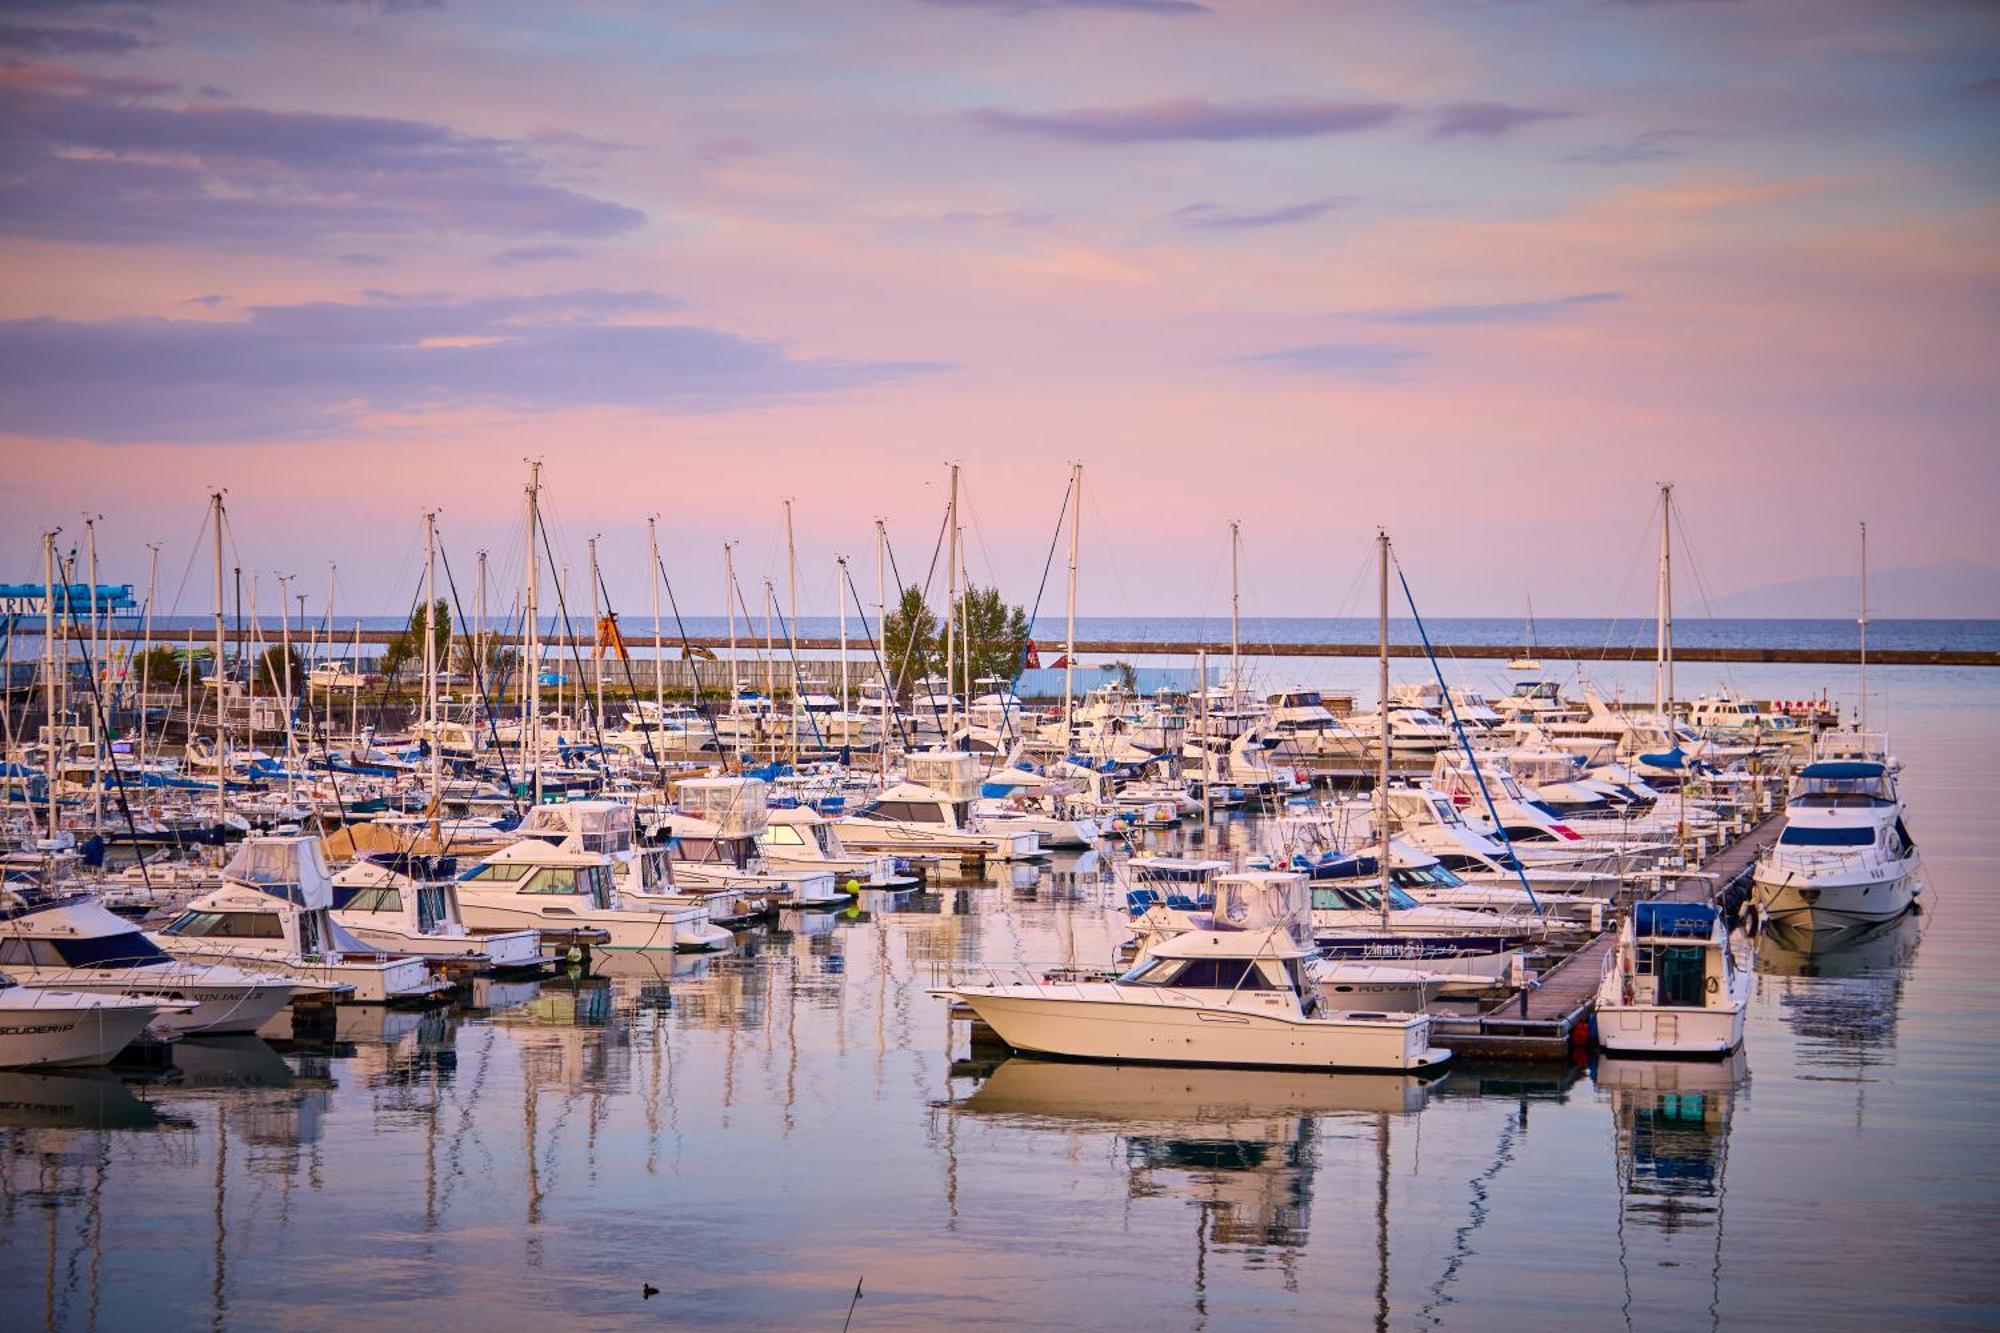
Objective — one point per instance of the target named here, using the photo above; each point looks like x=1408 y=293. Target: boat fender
x=1714 y=985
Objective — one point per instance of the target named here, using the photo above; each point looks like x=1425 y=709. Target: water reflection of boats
x=1242 y=1145
x=1840 y=996
x=1672 y=1121
x=87 y=1099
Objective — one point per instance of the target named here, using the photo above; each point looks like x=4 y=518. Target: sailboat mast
x=1235 y=634
x=729 y=600
x=96 y=658
x=430 y=657
x=598 y=644
x=533 y=617
x=479 y=654
x=882 y=642
x=792 y=627
x=1382 y=772
x=840 y=597
x=1663 y=648
x=285 y=648
x=951 y=607
x=653 y=582
x=221 y=629
x=1863 y=716
x=146 y=658
x=50 y=750
x=1069 y=629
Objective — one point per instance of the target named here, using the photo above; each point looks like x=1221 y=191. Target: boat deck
x=1540 y=1022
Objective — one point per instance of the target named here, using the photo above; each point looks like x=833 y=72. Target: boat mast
x=533 y=665
x=792 y=627
x=1382 y=773
x=951 y=607
x=146 y=658
x=1069 y=629
x=479 y=657
x=1663 y=675
x=653 y=582
x=285 y=647
x=1863 y=718
x=221 y=628
x=1235 y=635
x=597 y=644
x=96 y=657
x=430 y=657
x=882 y=642
x=840 y=598
x=729 y=600
x=50 y=750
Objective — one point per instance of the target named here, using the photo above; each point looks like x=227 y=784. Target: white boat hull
x=57 y=1030
x=1646 y=1029
x=1041 y=1020
x=220 y=1005
x=1833 y=904
x=628 y=930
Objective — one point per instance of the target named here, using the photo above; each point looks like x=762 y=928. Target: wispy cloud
x=1177 y=8
x=1216 y=217
x=1195 y=119
x=49 y=39
x=1496 y=312
x=88 y=158
x=292 y=371
x=536 y=254
x=1650 y=146
x=1355 y=360
x=999 y=217
x=1488 y=119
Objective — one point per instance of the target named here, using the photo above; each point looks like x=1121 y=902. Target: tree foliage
x=159 y=668
x=915 y=636
x=407 y=648
x=271 y=670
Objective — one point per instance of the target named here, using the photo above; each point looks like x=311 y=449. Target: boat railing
x=950 y=973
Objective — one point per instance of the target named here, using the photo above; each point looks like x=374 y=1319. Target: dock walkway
x=1539 y=1023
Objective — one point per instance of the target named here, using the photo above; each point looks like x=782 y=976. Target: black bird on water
x=647 y=1291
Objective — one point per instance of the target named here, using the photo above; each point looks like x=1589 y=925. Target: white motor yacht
x=798 y=838
x=274 y=913
x=565 y=891
x=72 y=942
x=409 y=904
x=1220 y=996
x=713 y=842
x=931 y=811
x=1845 y=858
x=1670 y=986
x=44 y=1028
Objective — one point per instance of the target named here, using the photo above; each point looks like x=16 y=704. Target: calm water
x=750 y=1135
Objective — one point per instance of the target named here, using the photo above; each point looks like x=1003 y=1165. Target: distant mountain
x=1955 y=591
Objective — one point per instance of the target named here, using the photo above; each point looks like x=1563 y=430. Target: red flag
x=1062 y=661
x=1031 y=657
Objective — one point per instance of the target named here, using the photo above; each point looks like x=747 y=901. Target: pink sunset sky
x=1483 y=273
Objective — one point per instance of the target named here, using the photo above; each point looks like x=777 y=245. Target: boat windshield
x=1229 y=974
x=130 y=949
x=1853 y=836
x=1359 y=897
x=1865 y=791
x=1433 y=876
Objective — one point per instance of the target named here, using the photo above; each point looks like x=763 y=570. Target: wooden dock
x=1542 y=1021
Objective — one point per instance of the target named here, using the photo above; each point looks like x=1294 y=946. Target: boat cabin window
x=781 y=835
x=430 y=907
x=130 y=949
x=1840 y=792
x=1798 y=836
x=500 y=871
x=374 y=900
x=589 y=881
x=1680 y=969
x=1429 y=877
x=909 y=812
x=228 y=926
x=1358 y=898
x=1199 y=974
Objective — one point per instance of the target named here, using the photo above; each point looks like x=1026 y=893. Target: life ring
x=1714 y=985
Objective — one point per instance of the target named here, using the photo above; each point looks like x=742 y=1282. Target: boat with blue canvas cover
x=1670 y=986
x=1845 y=859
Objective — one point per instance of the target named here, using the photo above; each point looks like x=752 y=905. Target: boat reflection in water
x=1240 y=1144
x=1841 y=995
x=1671 y=1119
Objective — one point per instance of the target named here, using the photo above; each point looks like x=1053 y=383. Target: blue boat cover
x=1678 y=920
x=1842 y=768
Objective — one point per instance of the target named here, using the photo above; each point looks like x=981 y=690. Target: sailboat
x=1527 y=660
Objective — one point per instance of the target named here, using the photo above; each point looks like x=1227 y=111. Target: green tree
x=997 y=634
x=160 y=668
x=910 y=637
x=271 y=670
x=407 y=647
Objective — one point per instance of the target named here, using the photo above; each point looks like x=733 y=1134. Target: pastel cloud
x=1195 y=119
x=1488 y=119
x=1177 y=8
x=1647 y=146
x=1496 y=312
x=105 y=160
x=1359 y=360
x=311 y=368
x=53 y=39
x=1208 y=216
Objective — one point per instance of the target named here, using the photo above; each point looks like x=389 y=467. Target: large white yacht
x=1217 y=996
x=931 y=811
x=712 y=840
x=409 y=904
x=561 y=888
x=273 y=913
x=42 y=1028
x=71 y=942
x=1845 y=858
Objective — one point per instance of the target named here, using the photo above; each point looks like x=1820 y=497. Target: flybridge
x=23 y=600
